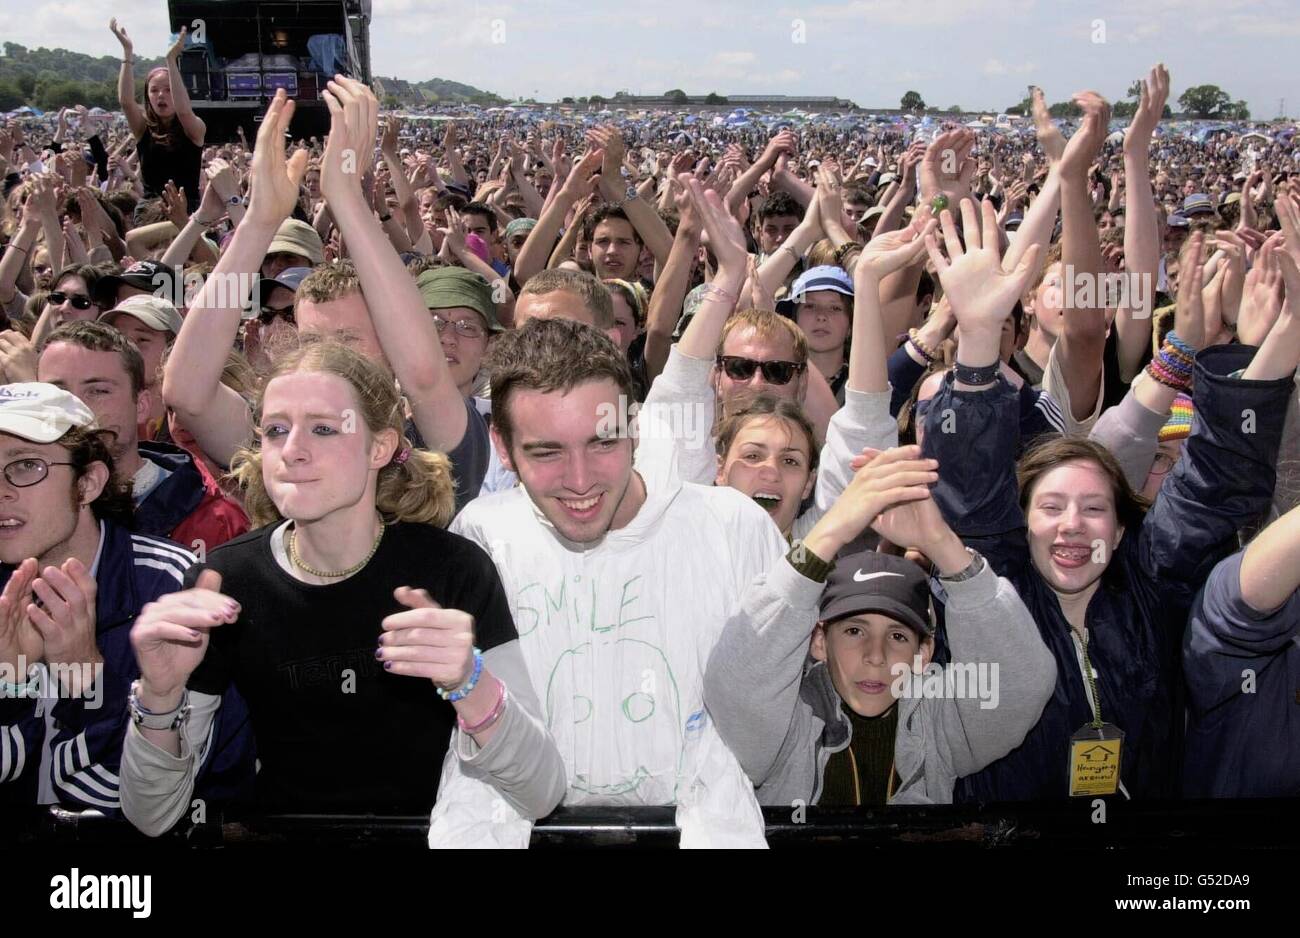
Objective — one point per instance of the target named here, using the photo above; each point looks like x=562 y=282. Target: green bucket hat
x=445 y=287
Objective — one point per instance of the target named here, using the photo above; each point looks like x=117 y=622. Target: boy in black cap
x=861 y=717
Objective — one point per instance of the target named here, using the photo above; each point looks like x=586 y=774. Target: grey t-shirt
x=469 y=458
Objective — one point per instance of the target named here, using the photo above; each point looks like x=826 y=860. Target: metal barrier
x=1254 y=823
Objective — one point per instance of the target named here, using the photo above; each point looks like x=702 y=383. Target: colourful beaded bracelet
x=1163 y=375
x=464 y=690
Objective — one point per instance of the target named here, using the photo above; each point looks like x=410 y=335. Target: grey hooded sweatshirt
x=783 y=719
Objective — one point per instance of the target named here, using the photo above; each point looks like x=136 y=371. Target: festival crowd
x=476 y=470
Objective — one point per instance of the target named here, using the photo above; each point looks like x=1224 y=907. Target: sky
x=978 y=54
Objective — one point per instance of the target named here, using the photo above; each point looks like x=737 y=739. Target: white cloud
x=725 y=59
x=996 y=67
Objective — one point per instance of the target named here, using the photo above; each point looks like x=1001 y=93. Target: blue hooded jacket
x=1243 y=690
x=1137 y=617
x=86 y=746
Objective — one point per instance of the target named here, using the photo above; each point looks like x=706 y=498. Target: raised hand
x=428 y=641
x=726 y=237
x=829 y=194
x=66 y=616
x=392 y=127
x=178 y=46
x=222 y=178
x=120 y=32
x=1082 y=150
x=175 y=204
x=1262 y=295
x=1155 y=92
x=454 y=234
x=354 y=118
x=982 y=295
x=1049 y=135
x=890 y=477
x=273 y=191
x=1234 y=273
x=892 y=251
x=784 y=142
x=948 y=167
x=583 y=178
x=170 y=636
x=19 y=638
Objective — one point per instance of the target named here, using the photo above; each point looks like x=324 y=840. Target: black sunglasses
x=742 y=369
x=270 y=314
x=78 y=300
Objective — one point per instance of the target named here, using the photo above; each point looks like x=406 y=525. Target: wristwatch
x=235 y=200
x=629 y=195
x=149 y=720
x=973 y=569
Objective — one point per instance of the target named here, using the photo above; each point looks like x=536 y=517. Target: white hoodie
x=616 y=636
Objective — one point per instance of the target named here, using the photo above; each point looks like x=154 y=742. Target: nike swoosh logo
x=860 y=577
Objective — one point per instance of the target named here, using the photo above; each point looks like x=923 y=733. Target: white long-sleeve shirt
x=616 y=636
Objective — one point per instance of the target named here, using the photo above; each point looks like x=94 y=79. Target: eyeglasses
x=774 y=372
x=22 y=473
x=1162 y=464
x=270 y=314
x=78 y=300
x=465 y=328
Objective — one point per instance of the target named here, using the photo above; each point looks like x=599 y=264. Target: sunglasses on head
x=78 y=300
x=774 y=372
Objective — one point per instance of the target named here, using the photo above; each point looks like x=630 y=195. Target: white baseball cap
x=41 y=412
x=153 y=311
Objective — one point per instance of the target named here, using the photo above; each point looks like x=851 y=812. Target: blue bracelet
x=463 y=691
x=1172 y=338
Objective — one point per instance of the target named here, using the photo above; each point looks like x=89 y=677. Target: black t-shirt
x=1115 y=387
x=180 y=163
x=335 y=731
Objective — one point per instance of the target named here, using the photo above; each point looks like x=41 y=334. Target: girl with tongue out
x=1109 y=586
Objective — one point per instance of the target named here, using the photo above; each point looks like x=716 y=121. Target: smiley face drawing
x=614 y=709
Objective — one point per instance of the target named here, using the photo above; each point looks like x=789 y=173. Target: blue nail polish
x=388 y=666
x=379 y=652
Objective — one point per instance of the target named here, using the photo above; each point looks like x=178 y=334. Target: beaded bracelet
x=1163 y=375
x=464 y=690
x=927 y=353
x=490 y=720
x=1175 y=361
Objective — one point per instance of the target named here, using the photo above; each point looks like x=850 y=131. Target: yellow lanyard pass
x=1096 y=747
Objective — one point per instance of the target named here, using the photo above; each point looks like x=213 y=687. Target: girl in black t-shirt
x=322 y=615
x=169 y=135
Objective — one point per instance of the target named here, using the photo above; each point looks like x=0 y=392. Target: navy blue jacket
x=134 y=569
x=1243 y=690
x=1136 y=619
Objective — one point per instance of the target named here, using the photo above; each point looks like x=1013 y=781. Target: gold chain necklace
x=325 y=574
